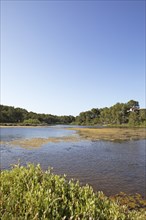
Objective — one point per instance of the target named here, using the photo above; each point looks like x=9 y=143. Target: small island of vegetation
x=111 y=134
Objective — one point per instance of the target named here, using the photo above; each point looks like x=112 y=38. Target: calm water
x=107 y=166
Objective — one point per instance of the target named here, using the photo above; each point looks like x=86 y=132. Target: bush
x=29 y=193
x=31 y=122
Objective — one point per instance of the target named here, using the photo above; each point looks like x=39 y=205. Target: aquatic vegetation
x=132 y=202
x=30 y=193
x=38 y=142
x=112 y=134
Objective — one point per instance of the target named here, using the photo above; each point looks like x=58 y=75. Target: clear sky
x=65 y=57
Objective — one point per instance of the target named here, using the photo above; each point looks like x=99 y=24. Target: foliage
x=132 y=202
x=30 y=193
x=134 y=118
x=9 y=114
x=119 y=114
x=31 y=121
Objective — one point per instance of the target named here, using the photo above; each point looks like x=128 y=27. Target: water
x=106 y=166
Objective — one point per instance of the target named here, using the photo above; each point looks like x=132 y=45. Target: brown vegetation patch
x=38 y=142
x=132 y=202
x=112 y=134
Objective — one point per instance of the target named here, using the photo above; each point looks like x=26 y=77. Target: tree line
x=9 y=114
x=118 y=114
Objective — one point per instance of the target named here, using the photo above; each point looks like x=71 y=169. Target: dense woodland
x=9 y=114
x=119 y=114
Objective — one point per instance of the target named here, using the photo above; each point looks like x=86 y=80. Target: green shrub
x=29 y=193
x=31 y=122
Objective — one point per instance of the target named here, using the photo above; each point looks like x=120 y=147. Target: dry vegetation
x=38 y=142
x=112 y=134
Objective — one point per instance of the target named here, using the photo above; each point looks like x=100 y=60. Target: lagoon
x=107 y=166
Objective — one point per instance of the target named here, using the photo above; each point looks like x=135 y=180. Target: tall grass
x=28 y=193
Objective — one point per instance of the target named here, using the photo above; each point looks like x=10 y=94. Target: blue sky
x=65 y=57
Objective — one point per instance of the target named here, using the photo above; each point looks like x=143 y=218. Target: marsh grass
x=132 y=202
x=38 y=142
x=112 y=134
x=31 y=194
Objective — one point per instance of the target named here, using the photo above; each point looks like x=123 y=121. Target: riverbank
x=111 y=134
x=24 y=126
x=11 y=125
x=30 y=125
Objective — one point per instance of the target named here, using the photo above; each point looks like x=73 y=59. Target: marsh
x=108 y=166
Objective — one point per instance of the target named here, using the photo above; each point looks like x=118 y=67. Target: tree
x=105 y=116
x=133 y=104
x=134 y=119
x=31 y=121
x=142 y=116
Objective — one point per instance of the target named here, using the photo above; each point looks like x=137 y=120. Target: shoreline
x=24 y=126
x=29 y=126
